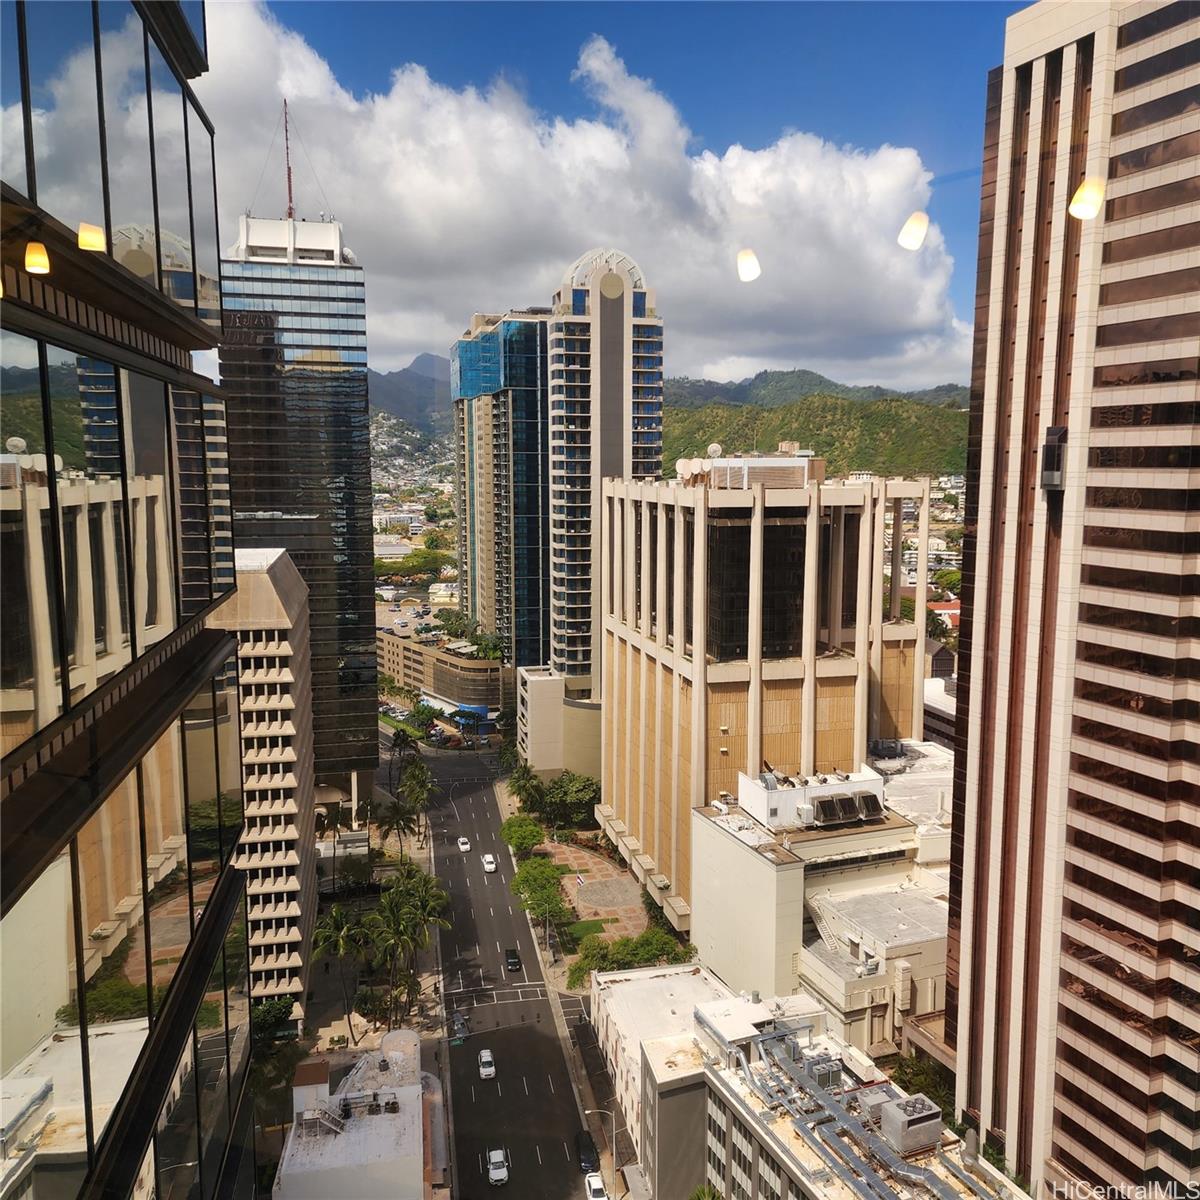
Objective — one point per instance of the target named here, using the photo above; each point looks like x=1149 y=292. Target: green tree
x=538 y=886
x=332 y=818
x=422 y=715
x=949 y=580
x=705 y=1192
x=950 y=500
x=340 y=934
x=387 y=685
x=570 y=800
x=398 y=818
x=527 y=787
x=650 y=948
x=273 y=1061
x=456 y=624
x=439 y=539
x=916 y=1073
x=523 y=834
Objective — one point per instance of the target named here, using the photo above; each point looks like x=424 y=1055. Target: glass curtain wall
x=153 y=135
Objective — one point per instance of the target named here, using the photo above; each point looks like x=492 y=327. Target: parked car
x=489 y=863
x=487 y=1065
x=459 y=1026
x=585 y=1151
x=464 y=844
x=593 y=1187
x=497 y=1164
x=512 y=960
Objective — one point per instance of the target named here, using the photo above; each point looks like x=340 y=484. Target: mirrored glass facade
x=498 y=381
x=294 y=362
x=122 y=944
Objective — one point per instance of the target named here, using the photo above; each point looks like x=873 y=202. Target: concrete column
x=649 y=566
x=808 y=637
x=878 y=493
x=115 y=638
x=897 y=567
x=617 y=583
x=754 y=643
x=918 y=728
x=679 y=566
x=661 y=567
x=166 y=567
x=837 y=534
x=862 y=624
x=631 y=565
x=699 y=585
x=47 y=692
x=85 y=612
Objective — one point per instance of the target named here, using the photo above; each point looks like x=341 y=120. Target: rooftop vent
x=911 y=1125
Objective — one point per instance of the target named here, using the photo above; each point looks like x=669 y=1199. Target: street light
x=612 y=1146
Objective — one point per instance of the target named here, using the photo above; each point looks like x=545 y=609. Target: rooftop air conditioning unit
x=769 y=782
x=721 y=807
x=911 y=1124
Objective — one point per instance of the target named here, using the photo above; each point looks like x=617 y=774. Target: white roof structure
x=367 y=1139
x=616 y=260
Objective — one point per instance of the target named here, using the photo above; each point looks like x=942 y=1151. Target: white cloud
x=464 y=200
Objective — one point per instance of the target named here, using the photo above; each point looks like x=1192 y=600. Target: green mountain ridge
x=771 y=389
x=894 y=436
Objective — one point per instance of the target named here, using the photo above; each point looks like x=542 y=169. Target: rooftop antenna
x=287 y=154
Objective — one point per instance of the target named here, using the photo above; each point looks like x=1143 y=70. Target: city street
x=529 y=1108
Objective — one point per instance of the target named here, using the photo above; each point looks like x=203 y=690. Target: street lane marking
x=551 y=1082
x=472 y=1093
x=526 y=1083
x=491 y=910
x=497 y=947
x=539 y=1154
x=499 y=1090
x=566 y=1152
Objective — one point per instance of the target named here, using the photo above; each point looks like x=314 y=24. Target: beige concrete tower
x=605 y=421
x=269 y=615
x=1073 y=989
x=744 y=621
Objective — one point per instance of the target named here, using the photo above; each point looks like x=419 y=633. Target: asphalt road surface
x=529 y=1108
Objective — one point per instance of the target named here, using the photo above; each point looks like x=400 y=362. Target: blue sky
x=868 y=73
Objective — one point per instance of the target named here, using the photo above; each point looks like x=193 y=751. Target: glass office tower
x=124 y=1001
x=502 y=444
x=294 y=362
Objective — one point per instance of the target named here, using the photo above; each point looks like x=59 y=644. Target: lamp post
x=612 y=1146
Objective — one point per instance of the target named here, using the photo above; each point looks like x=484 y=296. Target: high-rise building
x=269 y=616
x=294 y=363
x=745 y=630
x=1073 y=989
x=498 y=383
x=606 y=390
x=124 y=989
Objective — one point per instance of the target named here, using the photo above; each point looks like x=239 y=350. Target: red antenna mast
x=287 y=154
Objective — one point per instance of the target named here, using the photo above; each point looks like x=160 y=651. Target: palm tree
x=526 y=786
x=341 y=935
x=400 y=818
x=332 y=818
x=417 y=788
x=403 y=745
x=392 y=936
x=705 y=1191
x=426 y=902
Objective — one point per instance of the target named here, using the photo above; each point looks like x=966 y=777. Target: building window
x=639 y=304
x=579 y=298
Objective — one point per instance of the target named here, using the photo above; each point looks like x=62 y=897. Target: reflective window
x=1166 y=195
x=191 y=485
x=1152 y=329
x=90 y=490
x=127 y=138
x=216 y=462
x=1158 y=154
x=114 y=945
x=145 y=419
x=237 y=999
x=177 y=1139
x=12 y=124
x=204 y=815
x=30 y=677
x=168 y=909
x=204 y=218
x=1157 y=241
x=1153 y=111
x=212 y=1075
x=41 y=1058
x=1149 y=287
x=66 y=121
x=229 y=755
x=171 y=175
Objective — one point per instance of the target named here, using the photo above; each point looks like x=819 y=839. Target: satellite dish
x=706 y=465
x=15 y=445
x=714 y=451
x=681 y=465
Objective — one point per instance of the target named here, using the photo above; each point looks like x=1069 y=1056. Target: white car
x=464 y=844
x=497 y=1165
x=489 y=863
x=487 y=1065
x=593 y=1187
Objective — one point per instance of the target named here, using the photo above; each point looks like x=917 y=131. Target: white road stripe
x=566 y=1152
x=472 y=1093
x=551 y=1082
x=539 y=1154
x=499 y=1089
x=526 y=1083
